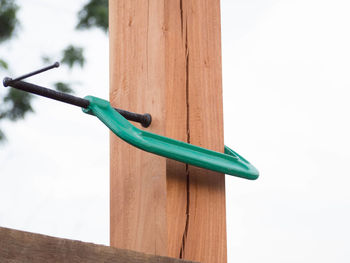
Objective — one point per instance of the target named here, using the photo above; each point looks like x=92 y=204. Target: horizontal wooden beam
x=19 y=246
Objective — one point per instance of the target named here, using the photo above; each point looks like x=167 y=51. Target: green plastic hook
x=228 y=162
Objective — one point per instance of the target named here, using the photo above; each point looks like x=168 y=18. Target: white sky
x=286 y=71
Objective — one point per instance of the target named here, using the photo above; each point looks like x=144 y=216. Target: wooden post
x=165 y=59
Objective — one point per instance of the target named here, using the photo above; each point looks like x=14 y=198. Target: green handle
x=228 y=162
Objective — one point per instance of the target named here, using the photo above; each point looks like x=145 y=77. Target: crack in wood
x=181 y=14
x=184 y=236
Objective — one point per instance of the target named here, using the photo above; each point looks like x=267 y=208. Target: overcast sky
x=286 y=83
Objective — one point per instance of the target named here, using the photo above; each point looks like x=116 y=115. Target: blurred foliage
x=2 y=136
x=13 y=105
x=94 y=14
x=63 y=87
x=73 y=56
x=3 y=64
x=8 y=19
x=16 y=104
x=46 y=59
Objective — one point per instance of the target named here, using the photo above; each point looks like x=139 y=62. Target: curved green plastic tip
x=228 y=162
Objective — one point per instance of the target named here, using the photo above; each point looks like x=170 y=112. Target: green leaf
x=94 y=14
x=73 y=55
x=63 y=87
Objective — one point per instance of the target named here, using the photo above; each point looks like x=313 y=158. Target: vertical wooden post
x=165 y=59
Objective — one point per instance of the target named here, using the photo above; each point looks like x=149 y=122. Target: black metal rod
x=144 y=119
x=55 y=65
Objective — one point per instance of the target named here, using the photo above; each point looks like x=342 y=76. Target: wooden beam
x=19 y=246
x=165 y=59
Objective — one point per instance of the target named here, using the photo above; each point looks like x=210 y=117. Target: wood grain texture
x=137 y=184
x=147 y=74
x=206 y=236
x=165 y=59
x=19 y=246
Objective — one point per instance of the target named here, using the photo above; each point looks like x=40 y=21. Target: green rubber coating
x=228 y=162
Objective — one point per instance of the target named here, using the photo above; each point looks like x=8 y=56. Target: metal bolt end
x=147 y=120
x=56 y=64
x=6 y=81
